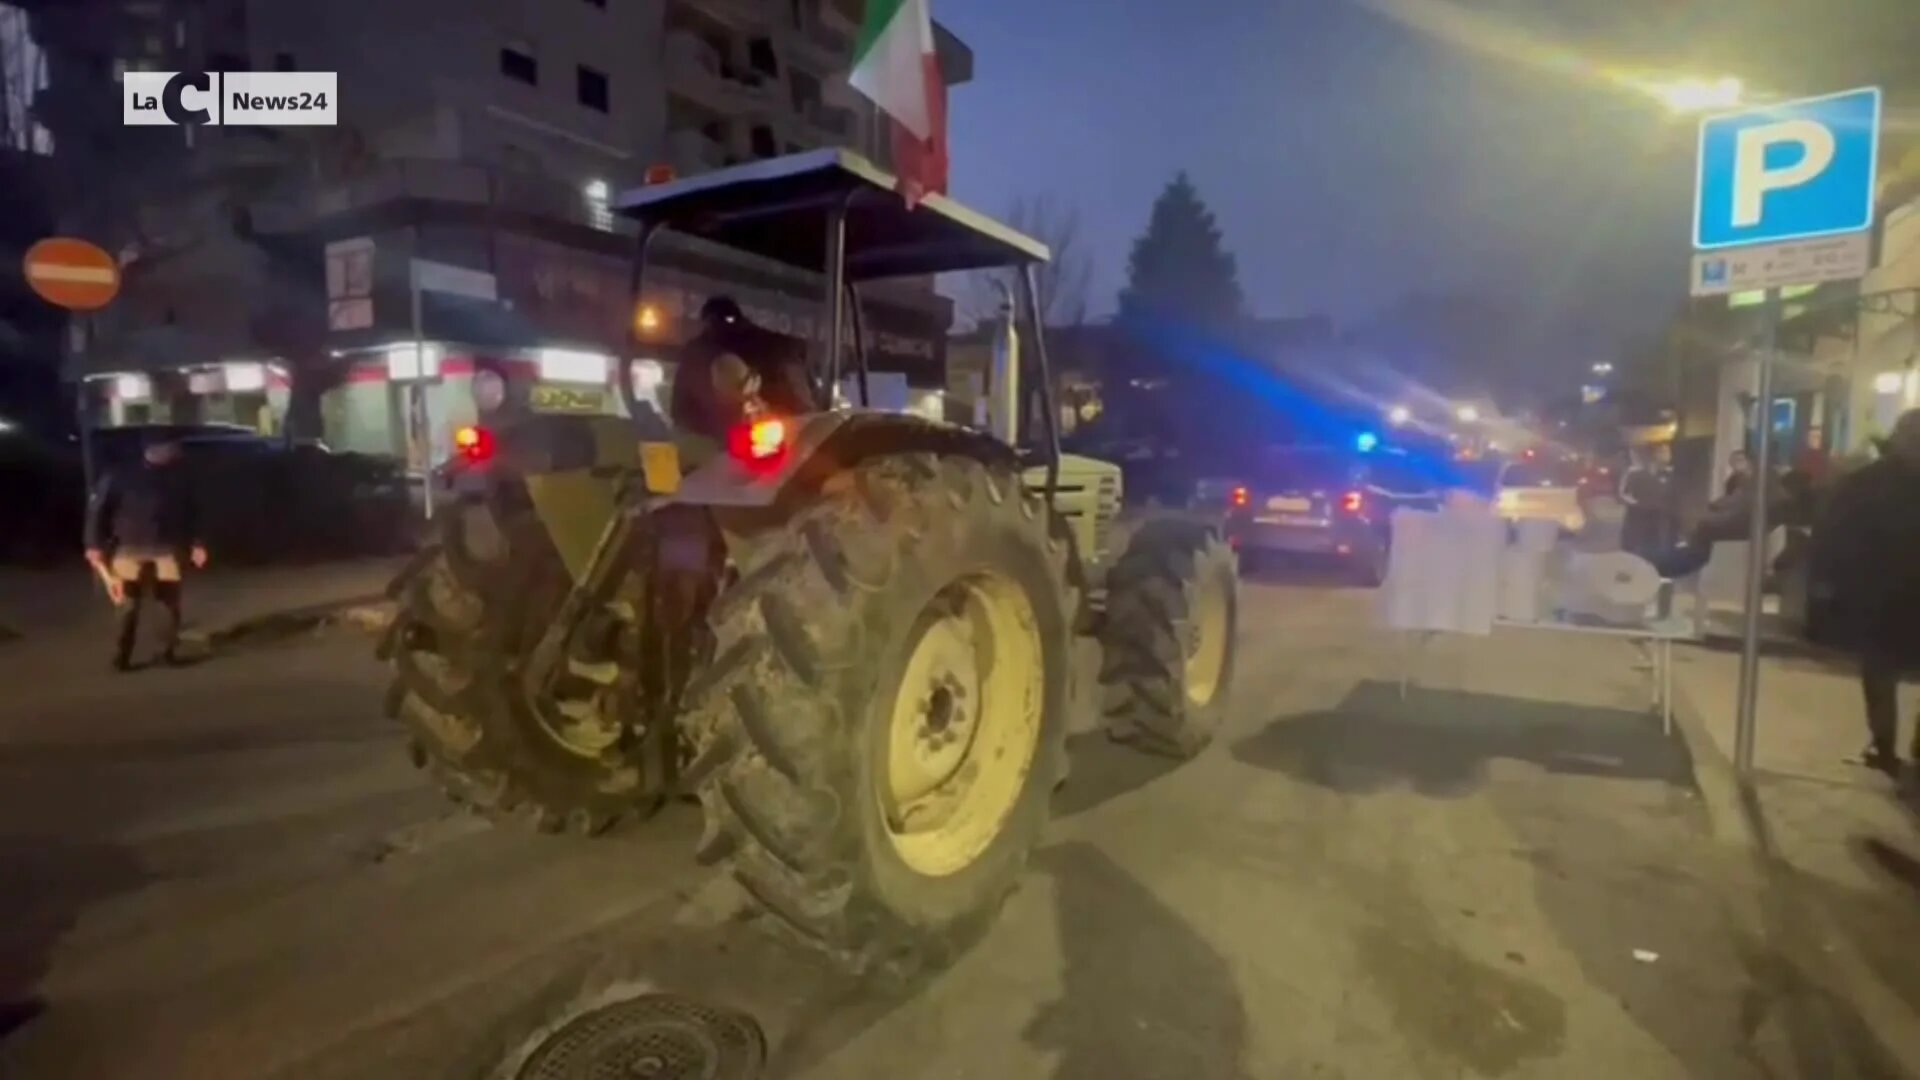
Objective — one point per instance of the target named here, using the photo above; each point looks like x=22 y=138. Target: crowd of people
x=1854 y=537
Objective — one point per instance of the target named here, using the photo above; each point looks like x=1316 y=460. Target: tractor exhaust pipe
x=1003 y=377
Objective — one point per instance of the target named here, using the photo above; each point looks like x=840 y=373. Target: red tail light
x=1239 y=496
x=1352 y=502
x=474 y=443
x=759 y=444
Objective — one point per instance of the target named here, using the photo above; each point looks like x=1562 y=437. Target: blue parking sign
x=1787 y=172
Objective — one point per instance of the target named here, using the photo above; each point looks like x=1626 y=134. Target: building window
x=806 y=93
x=593 y=89
x=760 y=58
x=517 y=63
x=283 y=61
x=763 y=144
x=226 y=61
x=599 y=214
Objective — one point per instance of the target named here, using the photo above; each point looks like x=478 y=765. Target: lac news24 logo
x=231 y=98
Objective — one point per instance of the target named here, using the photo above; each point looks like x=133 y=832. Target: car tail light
x=1352 y=502
x=474 y=443
x=759 y=444
x=1239 y=496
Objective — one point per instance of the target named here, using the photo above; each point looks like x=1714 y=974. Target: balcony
x=834 y=124
x=842 y=15
x=836 y=43
x=755 y=15
x=302 y=206
x=820 y=46
x=698 y=73
x=692 y=151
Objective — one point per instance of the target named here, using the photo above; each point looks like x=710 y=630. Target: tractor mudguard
x=827 y=442
x=572 y=468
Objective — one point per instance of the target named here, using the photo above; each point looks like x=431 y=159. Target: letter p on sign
x=1752 y=176
x=1787 y=172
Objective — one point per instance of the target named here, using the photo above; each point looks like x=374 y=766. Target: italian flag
x=895 y=67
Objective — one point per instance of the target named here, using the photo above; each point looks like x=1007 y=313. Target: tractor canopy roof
x=779 y=208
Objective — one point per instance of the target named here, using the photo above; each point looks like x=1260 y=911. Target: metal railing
x=299 y=205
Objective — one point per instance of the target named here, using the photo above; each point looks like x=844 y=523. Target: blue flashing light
x=1366 y=441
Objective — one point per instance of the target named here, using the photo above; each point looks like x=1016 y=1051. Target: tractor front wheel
x=1168 y=639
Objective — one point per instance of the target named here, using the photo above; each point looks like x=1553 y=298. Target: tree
x=1179 y=268
x=1064 y=280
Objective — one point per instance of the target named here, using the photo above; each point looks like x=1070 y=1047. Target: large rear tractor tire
x=884 y=715
x=1168 y=639
x=470 y=609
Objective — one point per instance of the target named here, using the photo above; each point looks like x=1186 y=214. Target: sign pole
x=1743 y=732
x=80 y=410
x=418 y=406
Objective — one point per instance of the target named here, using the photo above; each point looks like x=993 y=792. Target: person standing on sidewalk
x=141 y=526
x=1739 y=471
x=1864 y=552
x=1646 y=491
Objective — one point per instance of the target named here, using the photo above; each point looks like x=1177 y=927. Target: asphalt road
x=230 y=871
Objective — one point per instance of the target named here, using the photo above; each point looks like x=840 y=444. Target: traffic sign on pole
x=72 y=274
x=1783 y=195
x=1795 y=263
x=1792 y=171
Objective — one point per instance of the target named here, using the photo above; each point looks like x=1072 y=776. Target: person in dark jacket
x=1739 y=471
x=1728 y=519
x=1646 y=491
x=710 y=382
x=141 y=526
x=1865 y=568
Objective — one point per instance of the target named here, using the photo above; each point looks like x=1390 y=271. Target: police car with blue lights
x=1327 y=502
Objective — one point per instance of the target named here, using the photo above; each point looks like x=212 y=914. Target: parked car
x=114 y=447
x=42 y=499
x=1328 y=503
x=1542 y=489
x=260 y=499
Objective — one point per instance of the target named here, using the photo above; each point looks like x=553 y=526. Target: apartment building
x=484 y=134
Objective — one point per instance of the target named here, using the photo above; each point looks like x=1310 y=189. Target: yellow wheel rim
x=964 y=727
x=1208 y=628
x=582 y=726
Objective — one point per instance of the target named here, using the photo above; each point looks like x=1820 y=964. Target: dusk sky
x=1356 y=150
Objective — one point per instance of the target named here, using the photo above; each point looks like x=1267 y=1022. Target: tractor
x=849 y=635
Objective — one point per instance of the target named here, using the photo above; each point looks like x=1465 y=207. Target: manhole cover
x=656 y=1037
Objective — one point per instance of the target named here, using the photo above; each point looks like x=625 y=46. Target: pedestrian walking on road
x=142 y=526
x=1866 y=567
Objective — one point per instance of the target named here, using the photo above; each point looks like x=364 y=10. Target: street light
x=1467 y=414
x=1603 y=368
x=1699 y=95
x=1399 y=415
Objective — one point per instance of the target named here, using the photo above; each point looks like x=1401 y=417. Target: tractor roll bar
x=1030 y=294
x=836 y=269
x=624 y=365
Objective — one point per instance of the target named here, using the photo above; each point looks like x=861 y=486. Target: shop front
x=244 y=393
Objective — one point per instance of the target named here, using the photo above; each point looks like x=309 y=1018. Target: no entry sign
x=72 y=274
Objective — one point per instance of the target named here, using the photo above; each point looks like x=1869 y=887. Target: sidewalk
x=57 y=607
x=1839 y=840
